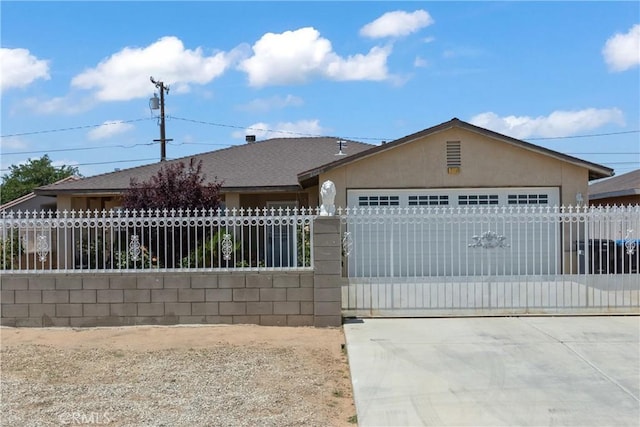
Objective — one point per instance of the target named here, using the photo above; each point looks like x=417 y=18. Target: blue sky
x=75 y=75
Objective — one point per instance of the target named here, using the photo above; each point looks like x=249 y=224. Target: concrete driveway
x=509 y=371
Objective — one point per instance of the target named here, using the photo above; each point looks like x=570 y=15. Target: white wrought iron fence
x=490 y=241
x=490 y=260
x=122 y=240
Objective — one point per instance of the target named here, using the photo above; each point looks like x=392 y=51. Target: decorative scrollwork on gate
x=134 y=248
x=227 y=246
x=347 y=244
x=630 y=244
x=42 y=247
x=489 y=240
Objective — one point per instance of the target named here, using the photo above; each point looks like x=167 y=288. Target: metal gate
x=425 y=261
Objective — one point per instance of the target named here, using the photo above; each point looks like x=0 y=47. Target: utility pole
x=163 y=140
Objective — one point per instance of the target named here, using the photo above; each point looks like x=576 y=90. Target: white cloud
x=397 y=24
x=558 y=123
x=283 y=130
x=296 y=56
x=420 y=62
x=262 y=105
x=12 y=143
x=372 y=66
x=19 y=68
x=622 y=51
x=58 y=105
x=109 y=129
x=462 y=52
x=125 y=74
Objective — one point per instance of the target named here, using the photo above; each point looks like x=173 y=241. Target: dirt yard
x=175 y=376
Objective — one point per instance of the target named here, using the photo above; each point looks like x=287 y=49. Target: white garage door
x=445 y=242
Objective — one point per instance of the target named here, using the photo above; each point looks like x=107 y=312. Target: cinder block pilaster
x=327 y=265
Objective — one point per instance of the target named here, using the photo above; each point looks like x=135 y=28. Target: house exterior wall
x=260 y=200
x=231 y=200
x=303 y=198
x=485 y=163
x=35 y=203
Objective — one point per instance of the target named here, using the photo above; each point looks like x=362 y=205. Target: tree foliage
x=175 y=186
x=23 y=179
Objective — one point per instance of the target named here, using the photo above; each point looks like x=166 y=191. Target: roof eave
x=119 y=191
x=262 y=189
x=79 y=192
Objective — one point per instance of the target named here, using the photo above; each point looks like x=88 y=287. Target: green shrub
x=10 y=249
x=304 y=246
x=207 y=254
x=123 y=260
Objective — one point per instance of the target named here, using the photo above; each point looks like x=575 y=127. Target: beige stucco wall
x=78 y=203
x=260 y=200
x=303 y=198
x=486 y=162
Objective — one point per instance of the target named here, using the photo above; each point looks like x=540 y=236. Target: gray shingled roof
x=627 y=184
x=270 y=164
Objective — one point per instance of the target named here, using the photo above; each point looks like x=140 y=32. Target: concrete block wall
x=292 y=298
x=327 y=278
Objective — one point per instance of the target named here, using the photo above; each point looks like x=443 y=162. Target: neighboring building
x=620 y=190
x=451 y=164
x=30 y=202
x=35 y=202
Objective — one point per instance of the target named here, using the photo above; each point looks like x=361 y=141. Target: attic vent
x=250 y=138
x=454 y=157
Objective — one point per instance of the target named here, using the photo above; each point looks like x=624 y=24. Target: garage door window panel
x=428 y=200
x=478 y=199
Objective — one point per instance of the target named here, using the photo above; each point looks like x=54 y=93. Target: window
x=379 y=200
x=528 y=199
x=428 y=200
x=478 y=199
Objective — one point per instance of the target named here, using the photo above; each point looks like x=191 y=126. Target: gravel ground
x=175 y=376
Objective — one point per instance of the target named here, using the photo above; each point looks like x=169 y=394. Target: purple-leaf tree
x=175 y=186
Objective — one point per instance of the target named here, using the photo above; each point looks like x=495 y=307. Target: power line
x=230 y=145
x=75 y=128
x=200 y=143
x=622 y=163
x=77 y=149
x=284 y=131
x=115 y=161
x=612 y=153
x=583 y=136
x=385 y=139
x=100 y=163
x=289 y=132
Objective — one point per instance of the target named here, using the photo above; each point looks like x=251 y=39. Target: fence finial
x=328 y=196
